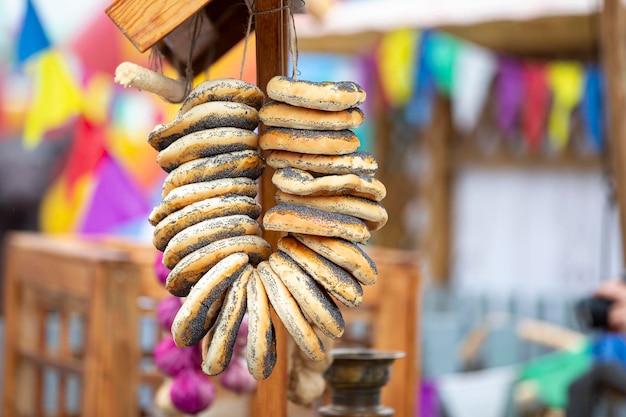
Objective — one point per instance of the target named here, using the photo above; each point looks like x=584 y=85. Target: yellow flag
x=97 y=97
x=396 y=57
x=60 y=212
x=56 y=97
x=566 y=82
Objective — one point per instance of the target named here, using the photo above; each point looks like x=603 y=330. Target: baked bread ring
x=314 y=301
x=338 y=282
x=181 y=197
x=329 y=96
x=261 y=346
x=358 y=163
x=217 y=357
x=204 y=116
x=328 y=142
x=205 y=143
x=299 y=182
x=346 y=254
x=192 y=267
x=226 y=205
x=223 y=89
x=311 y=221
x=248 y=164
x=208 y=231
x=290 y=314
x=371 y=212
x=191 y=322
x=283 y=115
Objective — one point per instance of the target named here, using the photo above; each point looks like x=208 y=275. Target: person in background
x=608 y=371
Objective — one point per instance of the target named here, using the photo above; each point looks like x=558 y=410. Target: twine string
x=293 y=39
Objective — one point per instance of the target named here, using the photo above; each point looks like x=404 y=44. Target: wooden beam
x=614 y=59
x=270 y=397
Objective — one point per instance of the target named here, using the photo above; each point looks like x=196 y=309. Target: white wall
x=532 y=233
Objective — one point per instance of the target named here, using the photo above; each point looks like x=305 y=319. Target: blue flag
x=32 y=37
x=592 y=106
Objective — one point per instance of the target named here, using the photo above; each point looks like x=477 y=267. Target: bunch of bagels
x=327 y=203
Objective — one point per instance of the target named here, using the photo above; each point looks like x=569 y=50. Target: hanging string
x=293 y=39
x=194 y=33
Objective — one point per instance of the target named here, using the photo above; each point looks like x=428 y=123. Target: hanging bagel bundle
x=328 y=202
x=206 y=223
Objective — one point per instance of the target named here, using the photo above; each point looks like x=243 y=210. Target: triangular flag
x=592 y=107
x=418 y=111
x=56 y=97
x=566 y=82
x=508 y=94
x=473 y=74
x=440 y=51
x=536 y=104
x=32 y=37
x=116 y=199
x=396 y=65
x=98 y=36
x=87 y=150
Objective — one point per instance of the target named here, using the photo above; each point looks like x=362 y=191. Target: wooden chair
x=96 y=284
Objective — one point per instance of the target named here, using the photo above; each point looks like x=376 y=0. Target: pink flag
x=536 y=104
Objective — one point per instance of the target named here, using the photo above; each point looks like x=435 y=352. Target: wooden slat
x=11 y=333
x=146 y=22
x=614 y=58
x=270 y=397
x=67 y=365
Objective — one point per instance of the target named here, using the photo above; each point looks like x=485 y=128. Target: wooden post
x=270 y=398
x=614 y=59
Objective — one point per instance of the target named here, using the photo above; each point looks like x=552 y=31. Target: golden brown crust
x=299 y=182
x=223 y=89
x=261 y=348
x=371 y=212
x=346 y=254
x=307 y=220
x=204 y=143
x=358 y=163
x=283 y=115
x=328 y=96
x=327 y=142
x=248 y=164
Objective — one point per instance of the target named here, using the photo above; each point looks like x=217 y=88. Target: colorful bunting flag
x=440 y=51
x=56 y=97
x=61 y=212
x=418 y=111
x=536 y=104
x=32 y=36
x=88 y=148
x=98 y=36
x=473 y=75
x=116 y=200
x=509 y=94
x=396 y=55
x=566 y=82
x=592 y=107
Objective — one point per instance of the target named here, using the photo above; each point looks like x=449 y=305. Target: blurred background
x=490 y=123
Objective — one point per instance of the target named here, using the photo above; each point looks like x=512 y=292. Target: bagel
x=326 y=142
x=220 y=350
x=290 y=314
x=195 y=321
x=329 y=96
x=341 y=284
x=206 y=232
x=184 y=195
x=312 y=221
x=248 y=164
x=284 y=115
x=346 y=254
x=223 y=89
x=226 y=205
x=372 y=213
x=299 y=182
x=190 y=323
x=314 y=301
x=359 y=163
x=205 y=143
x=261 y=346
x=201 y=117
x=192 y=267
